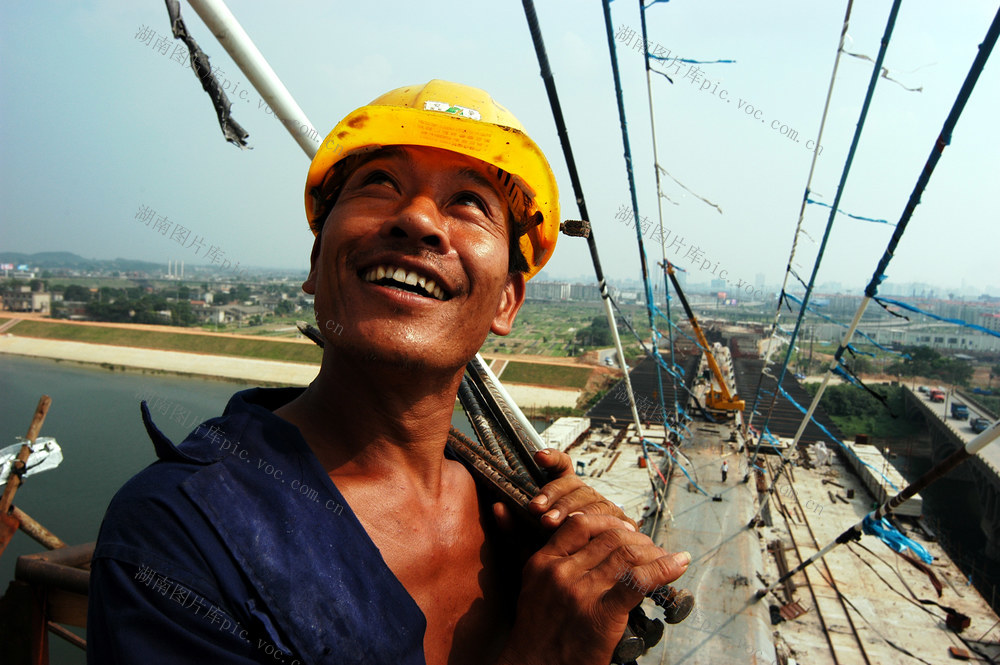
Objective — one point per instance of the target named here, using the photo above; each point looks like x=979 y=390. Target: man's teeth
x=409 y=278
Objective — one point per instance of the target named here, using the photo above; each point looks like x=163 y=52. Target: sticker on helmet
x=454 y=110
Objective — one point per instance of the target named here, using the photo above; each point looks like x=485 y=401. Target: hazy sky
x=96 y=124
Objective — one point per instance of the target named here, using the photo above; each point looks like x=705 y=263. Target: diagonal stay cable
x=802 y=209
x=887 y=35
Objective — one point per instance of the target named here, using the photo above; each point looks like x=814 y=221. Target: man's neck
x=367 y=419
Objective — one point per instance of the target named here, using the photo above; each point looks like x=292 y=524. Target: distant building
x=23 y=299
x=240 y=313
x=553 y=291
x=941 y=336
x=584 y=292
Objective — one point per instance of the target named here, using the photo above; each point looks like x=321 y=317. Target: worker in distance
x=342 y=532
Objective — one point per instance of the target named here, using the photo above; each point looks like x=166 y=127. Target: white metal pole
x=251 y=62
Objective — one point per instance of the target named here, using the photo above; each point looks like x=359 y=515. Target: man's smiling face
x=412 y=260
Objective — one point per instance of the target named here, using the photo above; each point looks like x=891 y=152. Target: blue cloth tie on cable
x=884 y=531
x=809 y=308
x=863 y=219
x=854 y=349
x=917 y=310
x=773 y=441
x=679 y=465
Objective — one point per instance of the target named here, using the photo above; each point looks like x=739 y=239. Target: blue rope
x=863 y=219
x=612 y=50
x=856 y=350
x=958 y=322
x=842 y=373
x=667 y=58
x=773 y=441
x=679 y=465
x=943 y=139
x=844 y=325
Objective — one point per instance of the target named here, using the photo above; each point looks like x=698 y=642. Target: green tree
x=598 y=333
x=77 y=293
x=181 y=314
x=925 y=361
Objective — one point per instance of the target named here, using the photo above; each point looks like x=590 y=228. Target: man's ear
x=510 y=302
x=309 y=286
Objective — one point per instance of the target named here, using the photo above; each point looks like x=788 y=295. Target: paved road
x=990 y=454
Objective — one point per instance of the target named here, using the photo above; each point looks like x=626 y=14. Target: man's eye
x=470 y=199
x=378 y=178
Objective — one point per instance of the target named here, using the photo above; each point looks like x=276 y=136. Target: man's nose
x=421 y=220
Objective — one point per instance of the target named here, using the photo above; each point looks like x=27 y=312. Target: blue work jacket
x=236 y=547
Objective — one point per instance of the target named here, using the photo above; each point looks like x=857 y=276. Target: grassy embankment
x=856 y=412
x=557 y=376
x=219 y=345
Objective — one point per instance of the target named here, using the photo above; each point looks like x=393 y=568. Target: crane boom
x=717 y=400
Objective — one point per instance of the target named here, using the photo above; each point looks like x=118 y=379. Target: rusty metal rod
x=67 y=635
x=58 y=568
x=37 y=532
x=14 y=481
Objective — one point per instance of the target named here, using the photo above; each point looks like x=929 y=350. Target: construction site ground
x=851 y=607
x=858 y=601
x=726 y=626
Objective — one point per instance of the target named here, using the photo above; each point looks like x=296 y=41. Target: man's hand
x=568 y=493
x=564 y=495
x=578 y=589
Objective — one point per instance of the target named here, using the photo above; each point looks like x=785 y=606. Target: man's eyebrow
x=481 y=180
x=390 y=152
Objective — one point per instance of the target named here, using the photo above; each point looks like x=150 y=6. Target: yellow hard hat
x=461 y=119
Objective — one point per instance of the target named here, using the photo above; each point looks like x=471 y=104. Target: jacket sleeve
x=137 y=614
x=164 y=591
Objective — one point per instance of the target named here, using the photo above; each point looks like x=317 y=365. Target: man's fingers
x=568 y=495
x=504 y=516
x=579 y=531
x=557 y=463
x=643 y=579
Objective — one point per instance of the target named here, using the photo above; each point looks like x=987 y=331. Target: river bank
x=231 y=368
x=267 y=372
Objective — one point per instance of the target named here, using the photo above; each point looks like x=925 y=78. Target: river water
x=95 y=418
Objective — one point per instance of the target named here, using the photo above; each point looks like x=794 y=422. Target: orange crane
x=721 y=400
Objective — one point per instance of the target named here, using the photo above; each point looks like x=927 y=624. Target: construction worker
x=326 y=524
x=725 y=469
